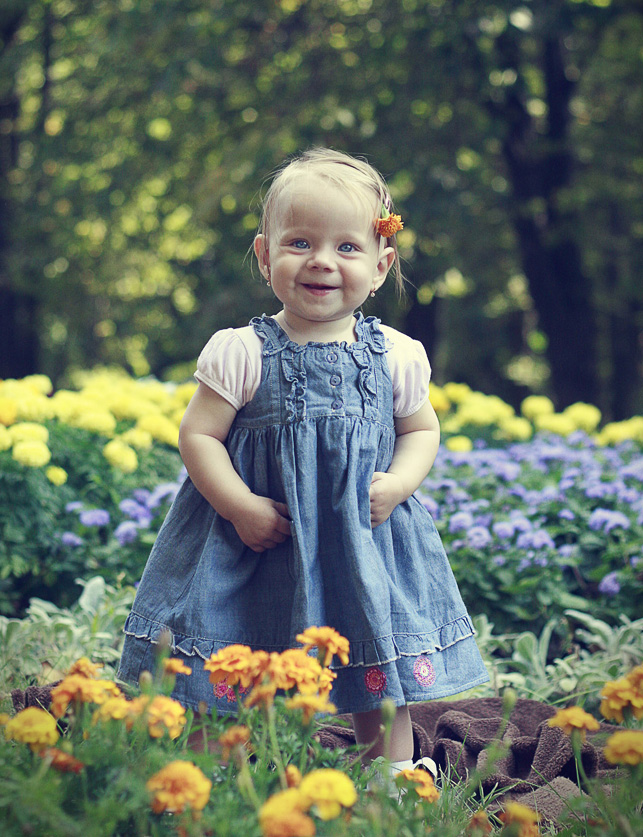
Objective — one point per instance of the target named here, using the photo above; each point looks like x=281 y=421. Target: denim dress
x=318 y=426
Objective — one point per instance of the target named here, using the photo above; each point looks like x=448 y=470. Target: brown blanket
x=538 y=769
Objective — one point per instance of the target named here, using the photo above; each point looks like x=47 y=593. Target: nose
x=321 y=258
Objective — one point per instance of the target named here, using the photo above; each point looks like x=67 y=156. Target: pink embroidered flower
x=424 y=672
x=375 y=681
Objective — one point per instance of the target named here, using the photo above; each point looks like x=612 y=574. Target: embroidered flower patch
x=222 y=690
x=424 y=672
x=375 y=681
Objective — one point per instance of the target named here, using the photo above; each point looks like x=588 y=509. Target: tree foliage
x=135 y=136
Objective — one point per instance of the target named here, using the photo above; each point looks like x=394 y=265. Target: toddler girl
x=304 y=443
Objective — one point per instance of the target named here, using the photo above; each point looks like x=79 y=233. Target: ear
x=261 y=252
x=384 y=264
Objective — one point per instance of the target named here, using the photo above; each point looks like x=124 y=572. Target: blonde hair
x=352 y=174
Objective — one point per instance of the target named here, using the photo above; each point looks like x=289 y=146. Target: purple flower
x=523 y=564
x=460 y=521
x=566 y=550
x=71 y=539
x=607 y=520
x=478 y=537
x=75 y=505
x=430 y=505
x=136 y=511
x=538 y=539
x=126 y=532
x=609 y=584
x=499 y=560
x=94 y=517
x=503 y=529
x=566 y=514
x=142 y=495
x=162 y=492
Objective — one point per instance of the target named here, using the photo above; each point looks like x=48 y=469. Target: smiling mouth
x=317 y=288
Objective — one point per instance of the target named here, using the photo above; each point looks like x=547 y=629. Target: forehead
x=313 y=194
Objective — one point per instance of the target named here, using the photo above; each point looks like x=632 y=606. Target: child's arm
x=416 y=446
x=261 y=523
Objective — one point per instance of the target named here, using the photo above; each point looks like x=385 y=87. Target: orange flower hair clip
x=388 y=224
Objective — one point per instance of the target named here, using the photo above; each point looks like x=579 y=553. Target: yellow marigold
x=77 y=687
x=5 y=438
x=438 y=399
x=536 y=405
x=56 y=475
x=618 y=695
x=636 y=678
x=586 y=417
x=574 y=718
x=114 y=709
x=33 y=726
x=521 y=815
x=4 y=718
x=263 y=694
x=137 y=438
x=282 y=815
x=237 y=664
x=180 y=785
x=8 y=410
x=459 y=444
x=516 y=428
x=61 y=761
x=328 y=790
x=456 y=392
x=422 y=781
x=162 y=428
x=96 y=421
x=325 y=682
x=625 y=747
x=479 y=825
x=35 y=408
x=86 y=668
x=310 y=705
x=328 y=641
x=29 y=431
x=621 y=431
x=294 y=668
x=39 y=383
x=556 y=423
x=173 y=665
x=121 y=456
x=165 y=713
x=293 y=776
x=236 y=736
x=31 y=454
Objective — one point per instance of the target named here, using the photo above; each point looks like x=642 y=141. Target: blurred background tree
x=135 y=136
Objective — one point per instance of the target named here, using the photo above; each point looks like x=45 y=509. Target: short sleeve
x=230 y=364
x=410 y=372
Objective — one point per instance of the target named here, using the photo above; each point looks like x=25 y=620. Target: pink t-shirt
x=230 y=364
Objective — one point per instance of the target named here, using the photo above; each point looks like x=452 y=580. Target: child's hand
x=386 y=492
x=262 y=523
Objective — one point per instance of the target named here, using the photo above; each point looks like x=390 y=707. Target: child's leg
x=367 y=726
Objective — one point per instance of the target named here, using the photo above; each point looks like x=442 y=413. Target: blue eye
x=299 y=244
x=346 y=247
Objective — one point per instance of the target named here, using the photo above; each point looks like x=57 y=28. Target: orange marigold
x=479 y=825
x=263 y=695
x=310 y=705
x=293 y=776
x=164 y=713
x=328 y=642
x=174 y=665
x=85 y=668
x=389 y=225
x=294 y=668
x=325 y=683
x=282 y=815
x=328 y=790
x=78 y=687
x=619 y=695
x=524 y=817
x=33 y=726
x=625 y=747
x=179 y=785
x=574 y=718
x=59 y=760
x=236 y=736
x=422 y=781
x=115 y=708
x=237 y=664
x=636 y=678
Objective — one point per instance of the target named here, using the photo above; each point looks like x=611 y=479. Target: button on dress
x=318 y=427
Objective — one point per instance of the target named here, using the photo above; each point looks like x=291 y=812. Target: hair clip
x=388 y=224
